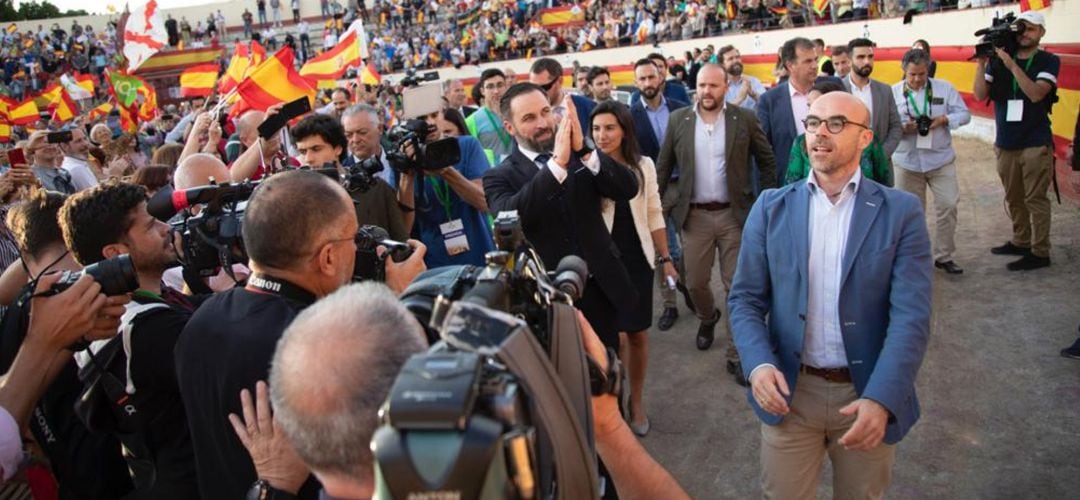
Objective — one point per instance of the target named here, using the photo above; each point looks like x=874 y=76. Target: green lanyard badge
x=1015 y=82
x=442 y=192
x=929 y=97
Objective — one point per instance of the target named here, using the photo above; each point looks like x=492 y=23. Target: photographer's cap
x=1032 y=17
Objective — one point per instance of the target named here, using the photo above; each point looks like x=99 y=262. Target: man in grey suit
x=712 y=144
x=877 y=96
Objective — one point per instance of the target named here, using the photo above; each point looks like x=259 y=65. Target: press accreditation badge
x=924 y=141
x=454 y=237
x=1015 y=111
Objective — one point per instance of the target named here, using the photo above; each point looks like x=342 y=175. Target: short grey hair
x=447 y=83
x=332 y=370
x=914 y=56
x=372 y=111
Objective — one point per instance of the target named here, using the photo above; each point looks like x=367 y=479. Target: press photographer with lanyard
x=299 y=230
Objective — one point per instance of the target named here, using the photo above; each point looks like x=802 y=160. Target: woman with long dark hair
x=637 y=228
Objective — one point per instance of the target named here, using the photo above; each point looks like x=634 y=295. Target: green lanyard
x=926 y=108
x=148 y=295
x=442 y=192
x=503 y=135
x=1015 y=82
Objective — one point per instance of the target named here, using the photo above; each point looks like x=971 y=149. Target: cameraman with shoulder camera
x=355 y=342
x=101 y=223
x=299 y=233
x=85 y=464
x=1023 y=87
x=448 y=203
x=320 y=142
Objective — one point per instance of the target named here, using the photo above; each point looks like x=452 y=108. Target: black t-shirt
x=1033 y=129
x=86 y=464
x=227 y=346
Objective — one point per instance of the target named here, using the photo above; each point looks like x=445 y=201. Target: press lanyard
x=504 y=137
x=442 y=192
x=926 y=104
x=1015 y=82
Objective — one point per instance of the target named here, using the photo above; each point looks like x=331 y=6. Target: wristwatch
x=663 y=259
x=262 y=490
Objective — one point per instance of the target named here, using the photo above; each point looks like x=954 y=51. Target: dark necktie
x=542 y=159
x=63 y=182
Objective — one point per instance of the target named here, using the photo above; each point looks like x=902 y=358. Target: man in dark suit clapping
x=556 y=185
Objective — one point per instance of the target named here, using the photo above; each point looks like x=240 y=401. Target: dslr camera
x=1002 y=34
x=922 y=124
x=412 y=135
x=501 y=402
x=116 y=276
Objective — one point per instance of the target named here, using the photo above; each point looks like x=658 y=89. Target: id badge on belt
x=453 y=233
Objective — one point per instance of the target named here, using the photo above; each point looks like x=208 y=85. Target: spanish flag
x=274 y=81
x=86 y=82
x=199 y=80
x=5 y=125
x=48 y=96
x=148 y=110
x=100 y=111
x=821 y=6
x=63 y=109
x=23 y=113
x=369 y=76
x=243 y=62
x=332 y=64
x=1026 y=5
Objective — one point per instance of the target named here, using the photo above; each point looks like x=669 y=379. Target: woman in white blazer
x=637 y=228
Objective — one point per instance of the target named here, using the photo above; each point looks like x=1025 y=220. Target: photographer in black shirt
x=101 y=223
x=86 y=464
x=299 y=230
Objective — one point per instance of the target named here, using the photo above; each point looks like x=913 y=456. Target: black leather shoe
x=1009 y=249
x=1028 y=262
x=667 y=319
x=706 y=332
x=949 y=267
x=739 y=378
x=686 y=296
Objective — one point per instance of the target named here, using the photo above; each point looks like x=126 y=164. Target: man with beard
x=75 y=153
x=600 y=83
x=557 y=185
x=651 y=114
x=877 y=96
x=743 y=90
x=832 y=329
x=101 y=223
x=713 y=144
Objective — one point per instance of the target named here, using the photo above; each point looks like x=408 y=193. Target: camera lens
x=116 y=275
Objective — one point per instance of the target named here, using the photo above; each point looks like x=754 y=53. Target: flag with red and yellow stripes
x=63 y=109
x=198 y=80
x=101 y=111
x=1026 y=5
x=332 y=64
x=5 y=125
x=274 y=81
x=48 y=96
x=369 y=76
x=23 y=113
x=821 y=6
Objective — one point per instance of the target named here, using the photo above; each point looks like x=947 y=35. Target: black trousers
x=601 y=313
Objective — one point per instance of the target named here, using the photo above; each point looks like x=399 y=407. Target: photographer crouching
x=299 y=233
x=354 y=343
x=136 y=385
x=1021 y=80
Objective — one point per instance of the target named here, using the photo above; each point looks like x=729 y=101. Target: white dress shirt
x=864 y=94
x=81 y=176
x=940 y=152
x=800 y=107
x=829 y=224
x=593 y=163
x=710 y=160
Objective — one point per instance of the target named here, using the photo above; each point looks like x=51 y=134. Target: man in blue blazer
x=830 y=311
x=548 y=74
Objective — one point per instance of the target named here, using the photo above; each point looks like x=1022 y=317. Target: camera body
x=116 y=276
x=922 y=124
x=1002 y=34
x=369 y=264
x=501 y=401
x=413 y=133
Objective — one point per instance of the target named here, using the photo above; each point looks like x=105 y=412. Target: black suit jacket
x=557 y=229
x=467 y=110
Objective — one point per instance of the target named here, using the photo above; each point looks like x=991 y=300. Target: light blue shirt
x=945 y=101
x=735 y=87
x=658 y=118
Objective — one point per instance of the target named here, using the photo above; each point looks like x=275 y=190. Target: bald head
x=353 y=342
x=842 y=132
x=198 y=169
x=247 y=127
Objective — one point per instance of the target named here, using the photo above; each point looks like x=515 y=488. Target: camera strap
x=504 y=136
x=442 y=192
x=1027 y=66
x=926 y=104
x=270 y=285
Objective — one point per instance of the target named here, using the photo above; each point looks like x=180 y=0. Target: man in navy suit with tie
x=830 y=310
x=556 y=184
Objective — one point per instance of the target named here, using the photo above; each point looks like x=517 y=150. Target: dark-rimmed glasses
x=835 y=124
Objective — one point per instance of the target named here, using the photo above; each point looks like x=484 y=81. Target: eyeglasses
x=835 y=124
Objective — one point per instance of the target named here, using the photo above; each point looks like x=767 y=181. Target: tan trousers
x=704 y=234
x=1026 y=173
x=793 y=451
x=946 y=189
